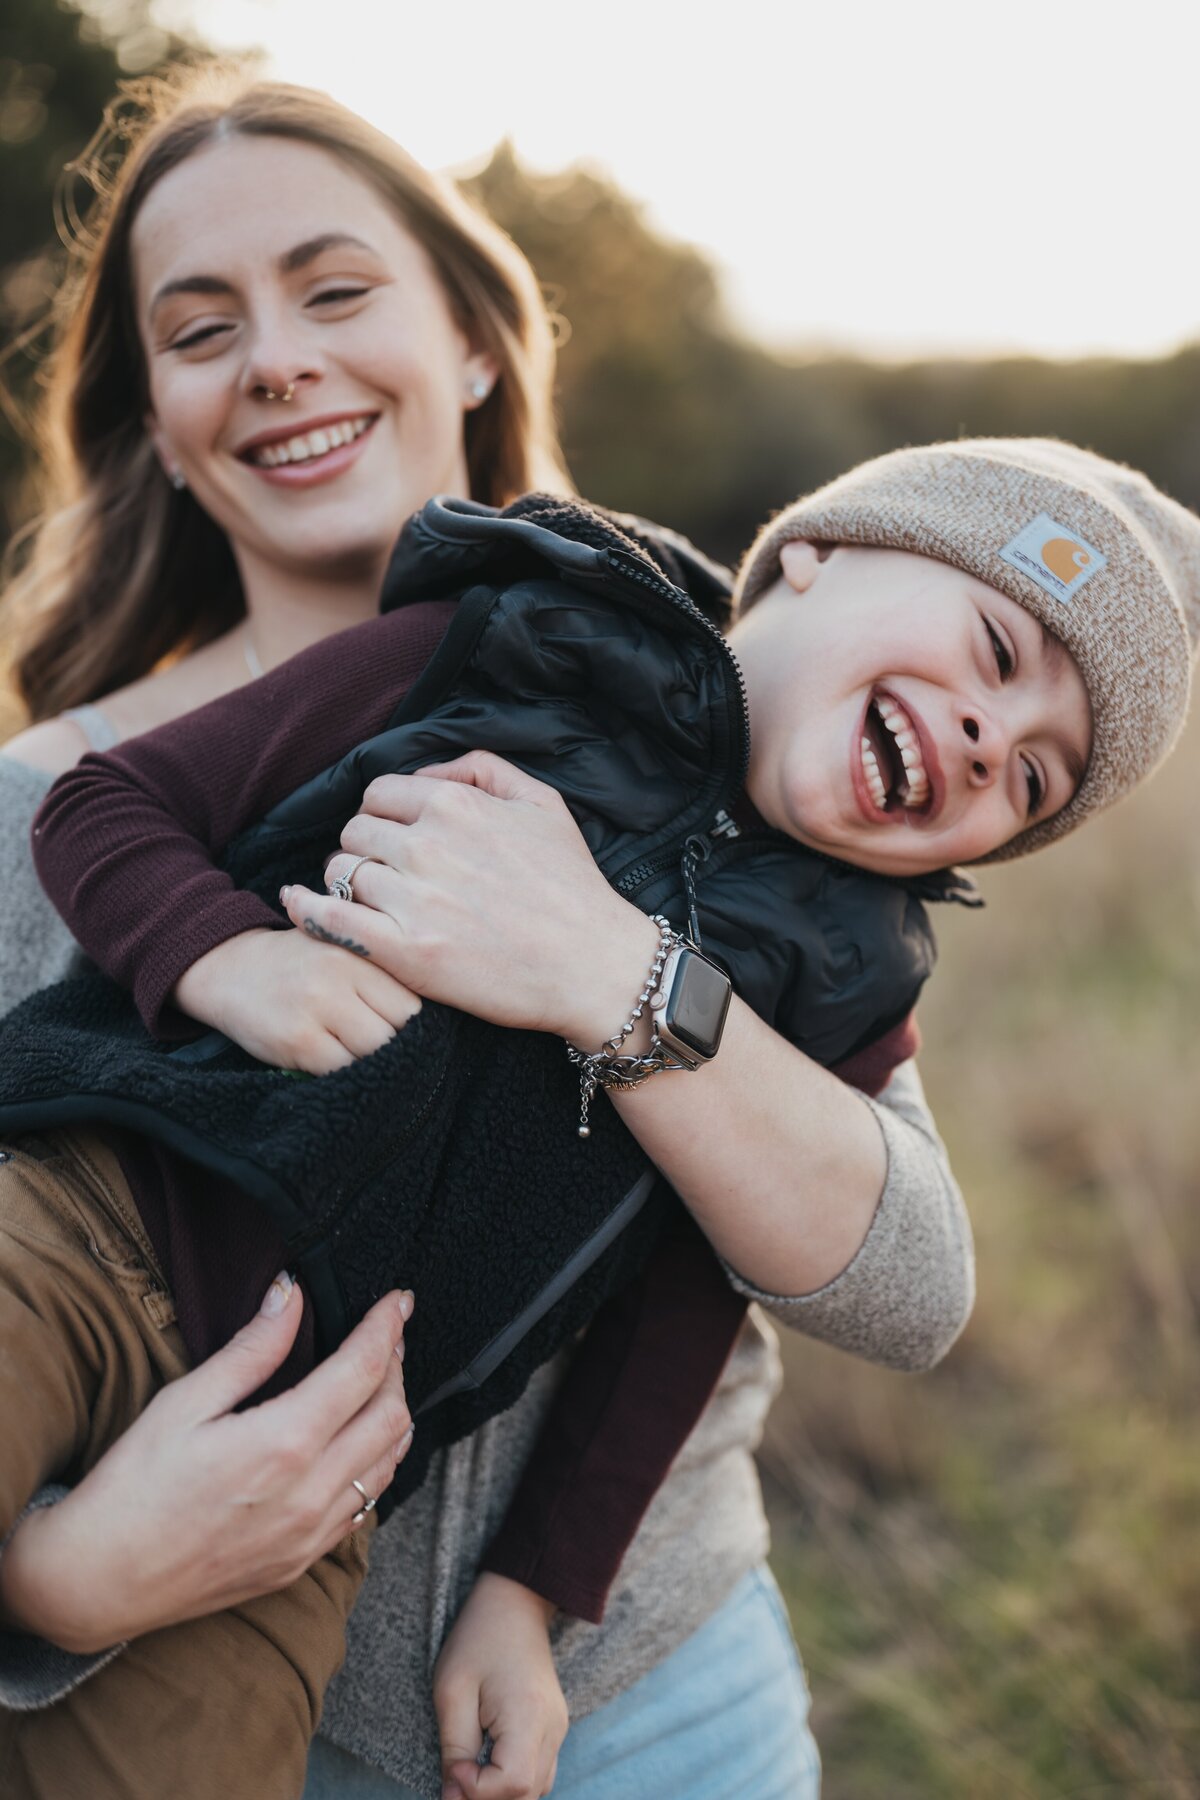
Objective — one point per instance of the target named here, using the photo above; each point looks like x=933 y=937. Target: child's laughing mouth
x=895 y=769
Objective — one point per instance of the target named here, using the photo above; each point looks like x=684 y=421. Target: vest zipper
x=633 y=570
x=630 y=880
x=722 y=829
x=698 y=848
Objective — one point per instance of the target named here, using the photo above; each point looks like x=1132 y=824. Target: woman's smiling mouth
x=323 y=448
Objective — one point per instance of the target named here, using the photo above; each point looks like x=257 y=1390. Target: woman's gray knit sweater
x=902 y=1301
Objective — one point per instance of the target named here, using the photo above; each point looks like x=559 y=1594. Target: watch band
x=688 y=995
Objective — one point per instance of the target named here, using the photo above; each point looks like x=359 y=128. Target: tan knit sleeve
x=908 y=1292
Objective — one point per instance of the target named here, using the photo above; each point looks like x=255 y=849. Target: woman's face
x=262 y=264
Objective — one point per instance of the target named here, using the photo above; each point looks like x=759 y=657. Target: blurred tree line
x=666 y=408
x=669 y=411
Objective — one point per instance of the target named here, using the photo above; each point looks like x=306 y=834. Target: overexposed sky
x=896 y=178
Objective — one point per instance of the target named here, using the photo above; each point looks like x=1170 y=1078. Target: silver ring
x=368 y=1504
x=342 y=888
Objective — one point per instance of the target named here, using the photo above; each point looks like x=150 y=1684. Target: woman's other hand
x=198 y=1507
x=484 y=896
x=495 y=1674
x=290 y=1001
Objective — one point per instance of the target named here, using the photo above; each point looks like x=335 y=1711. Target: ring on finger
x=343 y=887
x=369 y=1504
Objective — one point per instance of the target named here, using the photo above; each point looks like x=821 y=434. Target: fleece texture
x=902 y=1301
x=449 y=1160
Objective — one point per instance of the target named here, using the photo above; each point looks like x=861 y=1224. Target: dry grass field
x=994 y=1570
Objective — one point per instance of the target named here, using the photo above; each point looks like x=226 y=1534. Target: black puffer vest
x=449 y=1161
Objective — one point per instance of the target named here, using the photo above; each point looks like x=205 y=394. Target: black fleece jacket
x=578 y=651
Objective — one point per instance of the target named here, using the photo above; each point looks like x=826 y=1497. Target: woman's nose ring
x=289 y=391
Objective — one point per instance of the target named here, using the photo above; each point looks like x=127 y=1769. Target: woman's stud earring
x=481 y=387
x=179 y=480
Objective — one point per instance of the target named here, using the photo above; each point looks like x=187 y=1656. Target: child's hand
x=495 y=1674
x=295 y=1001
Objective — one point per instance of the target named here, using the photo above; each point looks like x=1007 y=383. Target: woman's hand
x=287 y=998
x=495 y=1674
x=198 y=1507
x=485 y=897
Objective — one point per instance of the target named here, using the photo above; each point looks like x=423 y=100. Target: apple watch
x=690 y=1005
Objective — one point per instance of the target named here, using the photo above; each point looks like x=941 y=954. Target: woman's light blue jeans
x=724 y=1718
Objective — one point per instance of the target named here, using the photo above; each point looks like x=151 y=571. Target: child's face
x=903 y=715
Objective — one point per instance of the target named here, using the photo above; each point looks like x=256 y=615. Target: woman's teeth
x=310 y=443
x=912 y=789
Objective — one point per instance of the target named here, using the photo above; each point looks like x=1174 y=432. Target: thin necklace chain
x=251 y=654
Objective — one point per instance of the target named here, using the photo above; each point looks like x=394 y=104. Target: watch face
x=697 y=1004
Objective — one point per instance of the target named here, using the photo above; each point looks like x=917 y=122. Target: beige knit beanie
x=1092 y=549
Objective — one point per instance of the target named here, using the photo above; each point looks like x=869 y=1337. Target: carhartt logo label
x=1060 y=561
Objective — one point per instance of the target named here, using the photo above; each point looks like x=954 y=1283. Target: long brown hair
x=120 y=570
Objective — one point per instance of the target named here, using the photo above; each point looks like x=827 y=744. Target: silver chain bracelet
x=606 y=1067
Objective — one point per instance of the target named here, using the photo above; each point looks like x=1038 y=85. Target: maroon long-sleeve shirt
x=125 y=846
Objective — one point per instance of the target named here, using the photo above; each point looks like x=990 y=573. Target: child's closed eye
x=1005 y=661
x=1035 y=786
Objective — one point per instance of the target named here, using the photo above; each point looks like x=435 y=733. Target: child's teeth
x=914 y=791
x=871 y=771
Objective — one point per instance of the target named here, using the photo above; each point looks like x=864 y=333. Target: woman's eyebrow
x=296 y=258
x=190 y=284
x=307 y=252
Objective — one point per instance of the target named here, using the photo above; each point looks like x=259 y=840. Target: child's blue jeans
x=725 y=1717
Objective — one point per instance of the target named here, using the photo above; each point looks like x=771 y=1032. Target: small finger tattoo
x=330 y=937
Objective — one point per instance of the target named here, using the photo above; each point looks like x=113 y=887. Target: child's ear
x=799 y=562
